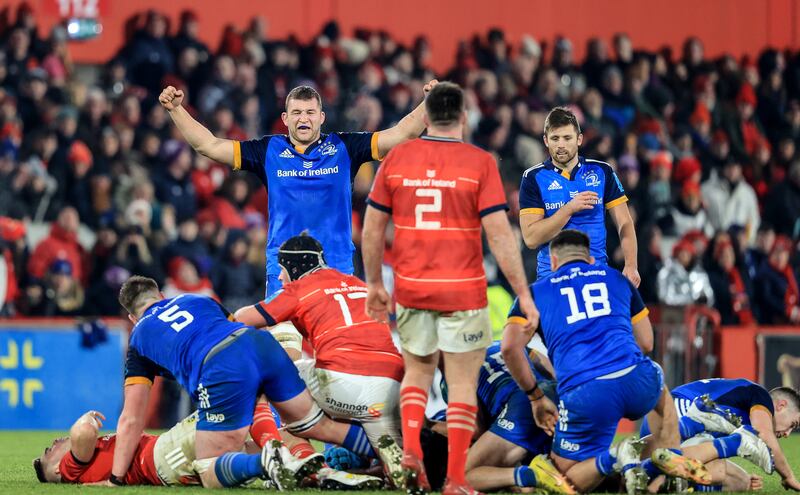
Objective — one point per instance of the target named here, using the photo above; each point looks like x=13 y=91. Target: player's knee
x=305 y=426
x=205 y=469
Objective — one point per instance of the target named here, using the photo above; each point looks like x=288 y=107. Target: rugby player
x=356 y=370
x=225 y=366
x=595 y=326
x=308 y=174
x=770 y=415
x=439 y=191
x=568 y=191
x=167 y=459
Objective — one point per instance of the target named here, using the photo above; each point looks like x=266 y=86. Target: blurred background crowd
x=96 y=185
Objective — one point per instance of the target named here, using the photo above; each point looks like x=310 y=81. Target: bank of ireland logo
x=308 y=164
x=592 y=180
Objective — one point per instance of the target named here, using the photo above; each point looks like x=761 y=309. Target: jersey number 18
x=595 y=302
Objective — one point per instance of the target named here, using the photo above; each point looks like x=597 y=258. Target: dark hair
x=559 y=117
x=300 y=255
x=304 y=93
x=787 y=393
x=134 y=290
x=444 y=104
x=37 y=466
x=570 y=237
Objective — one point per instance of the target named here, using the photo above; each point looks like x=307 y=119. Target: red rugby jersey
x=437 y=190
x=328 y=308
x=141 y=472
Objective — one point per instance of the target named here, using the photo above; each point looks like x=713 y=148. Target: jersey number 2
x=422 y=208
x=348 y=318
x=179 y=318
x=595 y=302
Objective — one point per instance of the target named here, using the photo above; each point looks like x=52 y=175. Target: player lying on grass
x=356 y=370
x=595 y=325
x=225 y=366
x=747 y=419
x=166 y=459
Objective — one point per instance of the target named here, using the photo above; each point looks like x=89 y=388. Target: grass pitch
x=18 y=448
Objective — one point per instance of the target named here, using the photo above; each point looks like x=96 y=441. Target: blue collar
x=549 y=165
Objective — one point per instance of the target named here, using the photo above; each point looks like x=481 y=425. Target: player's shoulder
x=600 y=165
x=531 y=172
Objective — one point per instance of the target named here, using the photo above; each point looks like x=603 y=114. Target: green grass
x=18 y=448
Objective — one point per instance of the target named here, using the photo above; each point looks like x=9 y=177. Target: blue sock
x=234 y=468
x=727 y=446
x=676 y=451
x=357 y=441
x=709 y=488
x=605 y=463
x=524 y=476
x=650 y=468
x=689 y=427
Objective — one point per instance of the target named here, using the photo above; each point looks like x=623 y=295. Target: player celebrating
x=594 y=323
x=358 y=370
x=567 y=191
x=308 y=174
x=222 y=364
x=439 y=191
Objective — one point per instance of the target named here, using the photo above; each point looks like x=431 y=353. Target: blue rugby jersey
x=545 y=188
x=586 y=315
x=495 y=383
x=738 y=396
x=176 y=334
x=309 y=189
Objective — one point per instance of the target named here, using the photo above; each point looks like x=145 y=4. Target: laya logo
x=215 y=418
x=505 y=424
x=327 y=149
x=569 y=446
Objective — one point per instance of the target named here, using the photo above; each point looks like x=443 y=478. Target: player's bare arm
x=763 y=423
x=627 y=237
x=372 y=242
x=538 y=230
x=503 y=245
x=197 y=135
x=83 y=435
x=515 y=337
x=130 y=427
x=643 y=332
x=409 y=127
x=250 y=316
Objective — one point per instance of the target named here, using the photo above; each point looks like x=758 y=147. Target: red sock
x=302 y=450
x=460 y=427
x=412 y=411
x=264 y=428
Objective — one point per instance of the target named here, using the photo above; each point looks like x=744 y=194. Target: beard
x=564 y=161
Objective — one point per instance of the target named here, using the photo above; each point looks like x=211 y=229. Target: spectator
x=782 y=206
x=778 y=296
x=682 y=281
x=174 y=186
x=183 y=279
x=61 y=244
x=659 y=189
x=730 y=292
x=60 y=294
x=689 y=213
x=730 y=200
x=188 y=245
x=148 y=57
x=758 y=254
x=136 y=255
x=237 y=282
x=12 y=249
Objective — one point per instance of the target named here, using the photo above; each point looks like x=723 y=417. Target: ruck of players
x=315 y=363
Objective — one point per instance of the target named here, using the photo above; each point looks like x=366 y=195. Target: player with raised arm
x=225 y=366
x=568 y=191
x=306 y=172
x=439 y=192
x=356 y=370
x=596 y=328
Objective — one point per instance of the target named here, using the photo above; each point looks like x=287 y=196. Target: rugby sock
x=709 y=488
x=413 y=401
x=689 y=427
x=302 y=450
x=650 y=468
x=264 y=427
x=460 y=427
x=524 y=476
x=234 y=468
x=605 y=463
x=357 y=441
x=727 y=446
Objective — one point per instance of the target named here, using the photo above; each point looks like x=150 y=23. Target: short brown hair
x=304 y=93
x=444 y=104
x=559 y=117
x=571 y=240
x=787 y=393
x=134 y=291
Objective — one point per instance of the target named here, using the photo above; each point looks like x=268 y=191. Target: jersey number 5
x=179 y=318
x=595 y=302
x=422 y=208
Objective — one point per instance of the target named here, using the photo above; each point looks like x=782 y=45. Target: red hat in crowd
x=721 y=244
x=719 y=137
x=746 y=95
x=690 y=188
x=11 y=230
x=661 y=159
x=782 y=243
x=683 y=245
x=701 y=115
x=686 y=168
x=79 y=153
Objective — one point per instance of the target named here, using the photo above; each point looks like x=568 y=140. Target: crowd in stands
x=707 y=150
